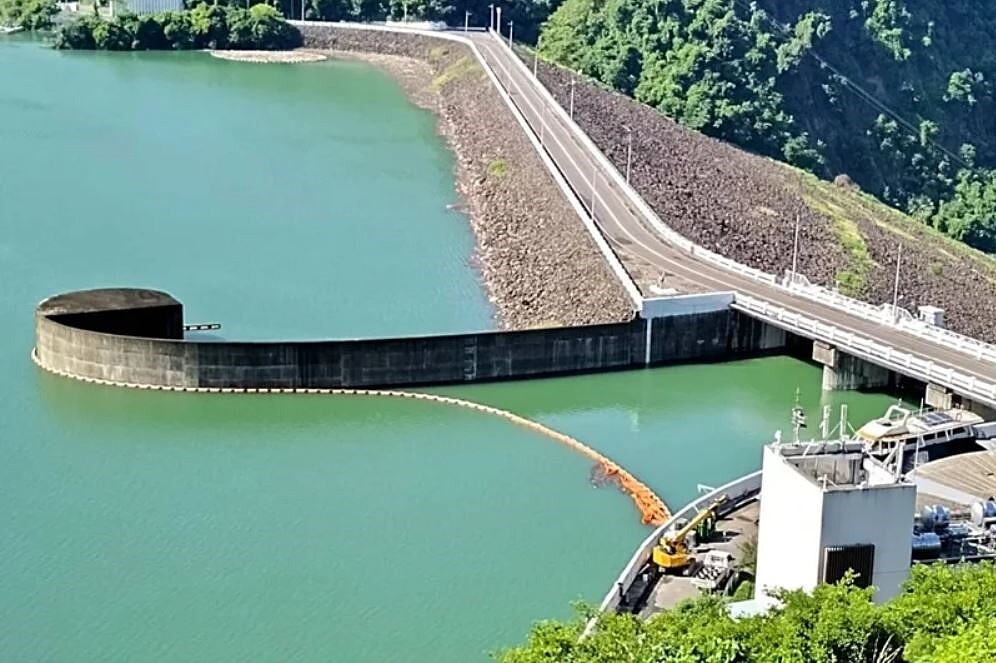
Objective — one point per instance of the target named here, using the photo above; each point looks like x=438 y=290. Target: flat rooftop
x=961 y=479
x=104 y=299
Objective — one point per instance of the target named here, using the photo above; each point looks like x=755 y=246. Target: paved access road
x=626 y=227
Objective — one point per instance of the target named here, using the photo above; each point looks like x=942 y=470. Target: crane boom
x=671 y=553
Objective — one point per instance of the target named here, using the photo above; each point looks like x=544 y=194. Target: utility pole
x=543 y=126
x=510 y=25
x=303 y=5
x=466 y=20
x=594 y=179
x=895 y=289
x=492 y=8
x=573 y=83
x=795 y=251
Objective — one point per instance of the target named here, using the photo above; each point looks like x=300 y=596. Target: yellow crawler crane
x=671 y=552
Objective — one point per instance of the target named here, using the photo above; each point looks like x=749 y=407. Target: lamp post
x=573 y=83
x=594 y=180
x=466 y=20
x=895 y=288
x=795 y=251
x=492 y=8
x=510 y=26
x=498 y=19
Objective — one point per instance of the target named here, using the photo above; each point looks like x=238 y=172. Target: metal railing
x=884 y=355
x=735 y=490
x=900 y=319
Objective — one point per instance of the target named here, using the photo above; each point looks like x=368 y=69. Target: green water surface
x=298 y=201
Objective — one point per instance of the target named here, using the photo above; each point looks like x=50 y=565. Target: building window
x=837 y=560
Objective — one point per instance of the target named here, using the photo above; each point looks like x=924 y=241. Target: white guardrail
x=865 y=348
x=734 y=490
x=901 y=319
x=627 y=282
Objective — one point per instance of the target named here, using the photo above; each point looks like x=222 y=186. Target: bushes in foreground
x=204 y=26
x=945 y=614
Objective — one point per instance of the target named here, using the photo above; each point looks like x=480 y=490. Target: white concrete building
x=822 y=512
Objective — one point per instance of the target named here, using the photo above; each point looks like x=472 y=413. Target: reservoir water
x=302 y=201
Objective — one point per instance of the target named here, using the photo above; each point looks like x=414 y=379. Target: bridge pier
x=943 y=398
x=842 y=372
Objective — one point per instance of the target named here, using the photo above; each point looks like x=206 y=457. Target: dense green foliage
x=203 y=26
x=895 y=93
x=28 y=14
x=945 y=614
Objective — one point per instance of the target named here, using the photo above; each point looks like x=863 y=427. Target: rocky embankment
x=539 y=264
x=745 y=207
x=269 y=57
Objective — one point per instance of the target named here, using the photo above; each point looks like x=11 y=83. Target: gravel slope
x=539 y=264
x=745 y=206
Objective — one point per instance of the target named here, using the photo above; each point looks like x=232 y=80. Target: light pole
x=594 y=179
x=303 y=5
x=492 y=8
x=510 y=25
x=795 y=251
x=498 y=20
x=895 y=288
x=573 y=83
x=466 y=20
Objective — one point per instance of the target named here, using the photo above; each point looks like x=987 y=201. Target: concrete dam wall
x=133 y=336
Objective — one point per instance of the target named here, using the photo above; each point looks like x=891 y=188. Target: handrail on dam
x=500 y=63
x=736 y=490
x=905 y=322
x=613 y=261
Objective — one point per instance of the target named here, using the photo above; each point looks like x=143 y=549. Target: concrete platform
x=732 y=532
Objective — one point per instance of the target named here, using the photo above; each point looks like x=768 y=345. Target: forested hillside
x=895 y=94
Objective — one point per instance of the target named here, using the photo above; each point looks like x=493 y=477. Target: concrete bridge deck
x=625 y=221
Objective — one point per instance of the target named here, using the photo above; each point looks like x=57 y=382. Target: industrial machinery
x=671 y=552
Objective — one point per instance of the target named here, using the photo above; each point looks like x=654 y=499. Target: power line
x=862 y=93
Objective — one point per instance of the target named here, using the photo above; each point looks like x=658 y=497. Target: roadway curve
x=622 y=226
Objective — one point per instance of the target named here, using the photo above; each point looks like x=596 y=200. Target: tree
x=946 y=614
x=209 y=25
x=970 y=215
x=28 y=14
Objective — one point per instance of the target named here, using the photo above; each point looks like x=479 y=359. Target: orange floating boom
x=652 y=509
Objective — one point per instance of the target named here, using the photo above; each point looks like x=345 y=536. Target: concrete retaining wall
x=393 y=362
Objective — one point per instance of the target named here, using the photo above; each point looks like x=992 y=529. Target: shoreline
x=269 y=57
x=536 y=261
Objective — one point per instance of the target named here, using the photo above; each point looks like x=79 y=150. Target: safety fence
x=901 y=319
x=924 y=370
x=620 y=272
x=735 y=491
